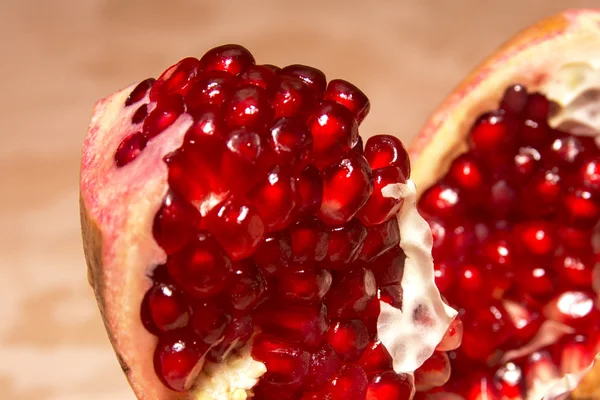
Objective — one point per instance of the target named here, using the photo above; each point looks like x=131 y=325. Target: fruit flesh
x=547 y=58
x=216 y=277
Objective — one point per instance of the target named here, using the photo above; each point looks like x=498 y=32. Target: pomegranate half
x=508 y=177
x=242 y=242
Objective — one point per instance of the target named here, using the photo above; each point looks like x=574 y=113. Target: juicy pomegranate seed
x=389 y=267
x=231 y=58
x=537 y=107
x=130 y=148
x=287 y=366
x=273 y=253
x=385 y=150
x=177 y=360
x=442 y=201
x=526 y=164
x=324 y=364
x=389 y=386
x=344 y=244
x=211 y=88
x=575 y=269
x=309 y=241
x=291 y=141
x=312 y=77
x=248 y=106
x=201 y=267
x=237 y=228
x=375 y=359
x=378 y=208
x=582 y=208
x=139 y=92
x=140 y=114
x=290 y=97
x=176 y=80
x=246 y=288
x=590 y=175
x=303 y=285
x=349 y=339
x=257 y=75
x=565 y=153
x=467 y=174
x=235 y=336
x=309 y=184
x=350 y=293
x=175 y=223
x=209 y=322
x=167 y=307
x=350 y=383
x=379 y=239
x=334 y=132
x=493 y=136
x=274 y=199
x=242 y=165
x=514 y=99
x=347 y=186
x=167 y=111
x=349 y=96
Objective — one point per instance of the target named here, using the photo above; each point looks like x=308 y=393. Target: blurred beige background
x=59 y=56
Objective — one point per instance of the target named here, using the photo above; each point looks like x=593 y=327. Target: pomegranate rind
x=532 y=58
x=116 y=224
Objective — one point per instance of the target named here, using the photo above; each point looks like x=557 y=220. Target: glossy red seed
x=167 y=307
x=235 y=336
x=514 y=99
x=387 y=150
x=177 y=79
x=309 y=241
x=140 y=114
x=526 y=163
x=324 y=364
x=243 y=162
x=344 y=244
x=581 y=208
x=177 y=360
x=589 y=174
x=575 y=269
x=535 y=237
x=350 y=293
x=210 y=88
x=287 y=365
x=443 y=201
x=537 y=280
x=349 y=339
x=274 y=199
x=139 y=92
x=209 y=322
x=130 y=148
x=305 y=325
x=246 y=288
x=347 y=186
x=231 y=58
x=534 y=133
x=349 y=383
x=380 y=238
x=565 y=153
x=379 y=208
x=303 y=285
x=389 y=386
x=290 y=97
x=375 y=359
x=389 y=267
x=543 y=194
x=493 y=136
x=257 y=75
x=167 y=110
x=312 y=77
x=208 y=124
x=444 y=277
x=503 y=199
x=273 y=253
x=236 y=226
x=537 y=107
x=349 y=96
x=574 y=238
x=467 y=173
x=498 y=250
x=334 y=132
x=309 y=185
x=201 y=268
x=248 y=106
x=291 y=142
x=175 y=223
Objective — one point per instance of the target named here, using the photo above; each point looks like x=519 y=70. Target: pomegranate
x=242 y=242
x=507 y=172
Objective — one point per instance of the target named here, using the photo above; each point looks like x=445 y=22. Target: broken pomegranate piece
x=264 y=254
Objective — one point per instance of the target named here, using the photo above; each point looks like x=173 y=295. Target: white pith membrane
x=410 y=335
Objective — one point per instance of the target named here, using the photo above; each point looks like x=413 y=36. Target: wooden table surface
x=59 y=56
